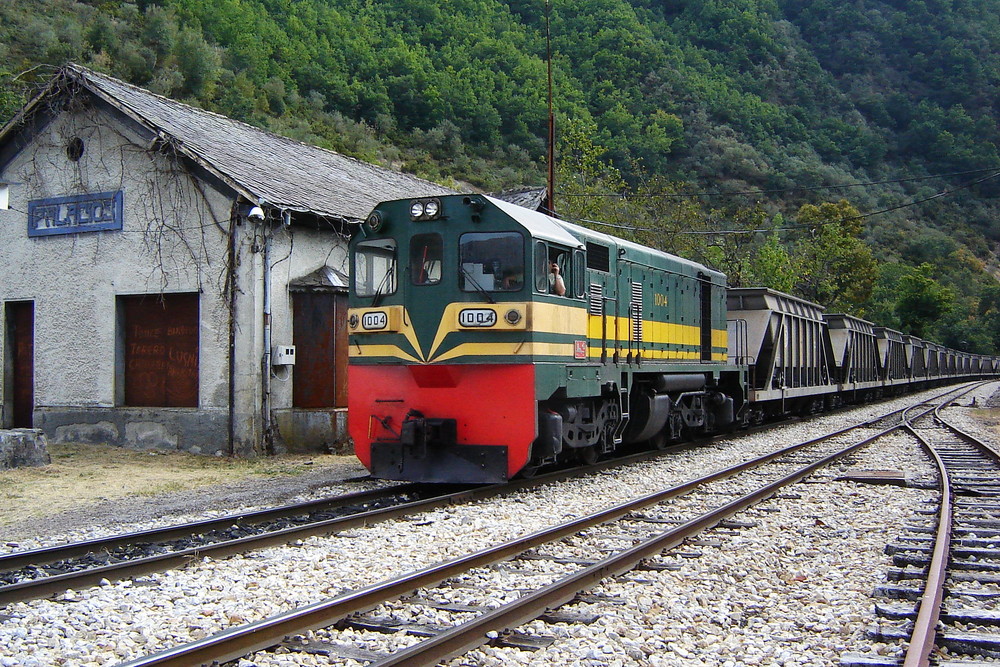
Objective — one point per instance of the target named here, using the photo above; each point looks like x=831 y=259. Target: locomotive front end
x=441 y=381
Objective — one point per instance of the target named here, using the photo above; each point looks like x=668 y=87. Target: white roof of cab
x=551 y=229
x=540 y=225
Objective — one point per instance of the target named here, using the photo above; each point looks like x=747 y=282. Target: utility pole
x=552 y=119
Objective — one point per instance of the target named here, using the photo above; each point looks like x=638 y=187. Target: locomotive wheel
x=659 y=441
x=588 y=455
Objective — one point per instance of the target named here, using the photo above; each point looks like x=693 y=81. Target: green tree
x=922 y=301
x=837 y=269
x=197 y=62
x=772 y=266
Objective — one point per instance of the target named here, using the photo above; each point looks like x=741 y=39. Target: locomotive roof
x=552 y=229
x=540 y=225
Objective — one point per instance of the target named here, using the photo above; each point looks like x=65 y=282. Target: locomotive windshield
x=491 y=262
x=425 y=259
x=375 y=268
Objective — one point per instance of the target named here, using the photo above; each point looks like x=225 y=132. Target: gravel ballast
x=793 y=589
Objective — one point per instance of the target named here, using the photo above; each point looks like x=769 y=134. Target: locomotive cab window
x=491 y=262
x=375 y=268
x=425 y=259
x=553 y=269
x=579 y=274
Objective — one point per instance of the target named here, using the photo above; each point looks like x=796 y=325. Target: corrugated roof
x=259 y=164
x=527 y=197
x=323 y=279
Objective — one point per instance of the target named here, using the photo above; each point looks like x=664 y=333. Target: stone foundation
x=307 y=431
x=23 y=447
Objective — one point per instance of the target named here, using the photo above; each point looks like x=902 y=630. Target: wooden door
x=161 y=350
x=21 y=338
x=319 y=332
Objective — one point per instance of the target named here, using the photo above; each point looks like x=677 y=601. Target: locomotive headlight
x=512 y=316
x=425 y=209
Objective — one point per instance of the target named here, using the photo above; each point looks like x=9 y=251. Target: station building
x=171 y=278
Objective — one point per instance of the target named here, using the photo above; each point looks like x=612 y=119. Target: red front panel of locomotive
x=493 y=407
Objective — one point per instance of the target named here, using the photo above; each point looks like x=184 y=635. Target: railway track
x=37 y=573
x=946 y=579
x=567 y=559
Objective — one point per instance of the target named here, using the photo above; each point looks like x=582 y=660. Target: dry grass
x=82 y=474
x=990 y=417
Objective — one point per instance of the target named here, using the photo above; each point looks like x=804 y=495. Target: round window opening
x=75 y=149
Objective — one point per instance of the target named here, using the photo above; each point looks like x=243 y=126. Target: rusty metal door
x=161 y=350
x=21 y=338
x=319 y=331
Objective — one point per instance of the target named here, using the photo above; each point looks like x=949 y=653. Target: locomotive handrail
x=740 y=333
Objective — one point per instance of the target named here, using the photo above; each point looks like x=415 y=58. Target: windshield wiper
x=478 y=287
x=385 y=282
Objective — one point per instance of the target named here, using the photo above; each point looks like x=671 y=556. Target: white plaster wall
x=174 y=240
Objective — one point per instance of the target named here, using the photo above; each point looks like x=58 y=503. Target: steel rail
x=924 y=634
x=469 y=635
x=236 y=642
x=49 y=585
x=929 y=609
x=53 y=554
x=45 y=586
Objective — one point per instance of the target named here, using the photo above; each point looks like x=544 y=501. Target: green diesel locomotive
x=488 y=340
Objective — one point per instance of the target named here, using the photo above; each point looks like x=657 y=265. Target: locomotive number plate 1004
x=374 y=321
x=477 y=317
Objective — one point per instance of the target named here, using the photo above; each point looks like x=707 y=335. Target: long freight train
x=487 y=340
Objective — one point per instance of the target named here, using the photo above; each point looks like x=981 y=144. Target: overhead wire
x=862 y=216
x=804 y=188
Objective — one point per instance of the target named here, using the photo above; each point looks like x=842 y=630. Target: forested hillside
x=843 y=151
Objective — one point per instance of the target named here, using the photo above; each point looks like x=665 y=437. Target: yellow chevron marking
x=450 y=320
x=393 y=351
x=537 y=316
x=506 y=350
x=398 y=321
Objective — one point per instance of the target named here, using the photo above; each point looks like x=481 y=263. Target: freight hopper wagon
x=784 y=341
x=802 y=360
x=487 y=340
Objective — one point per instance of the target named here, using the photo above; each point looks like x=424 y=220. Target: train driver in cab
x=556 y=284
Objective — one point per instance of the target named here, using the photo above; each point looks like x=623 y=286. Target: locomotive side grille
x=596 y=299
x=636 y=309
x=598 y=257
